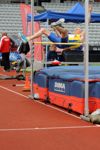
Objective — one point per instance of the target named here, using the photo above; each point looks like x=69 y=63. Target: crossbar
x=48 y=43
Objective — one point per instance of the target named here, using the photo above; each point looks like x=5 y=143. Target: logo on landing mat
x=59 y=87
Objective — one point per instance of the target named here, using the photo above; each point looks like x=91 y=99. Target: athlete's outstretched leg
x=34 y=36
x=59 y=29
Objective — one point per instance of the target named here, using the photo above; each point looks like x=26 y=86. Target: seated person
x=52 y=54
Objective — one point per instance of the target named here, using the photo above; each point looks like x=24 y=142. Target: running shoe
x=58 y=23
x=23 y=37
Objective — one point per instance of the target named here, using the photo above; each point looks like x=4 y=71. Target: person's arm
x=82 y=38
x=1 y=43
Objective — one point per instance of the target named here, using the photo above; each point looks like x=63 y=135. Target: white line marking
x=48 y=128
x=65 y=112
x=98 y=125
x=46 y=106
x=13 y=91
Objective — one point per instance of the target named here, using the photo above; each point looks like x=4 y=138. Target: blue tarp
x=75 y=14
x=14 y=56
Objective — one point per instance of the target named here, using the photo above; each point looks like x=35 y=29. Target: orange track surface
x=26 y=124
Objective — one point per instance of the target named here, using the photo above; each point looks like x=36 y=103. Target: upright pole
x=32 y=51
x=86 y=59
x=47 y=24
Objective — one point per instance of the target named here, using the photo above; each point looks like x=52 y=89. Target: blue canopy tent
x=78 y=9
x=53 y=16
x=75 y=14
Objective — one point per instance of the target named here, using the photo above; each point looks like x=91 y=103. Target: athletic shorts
x=54 y=38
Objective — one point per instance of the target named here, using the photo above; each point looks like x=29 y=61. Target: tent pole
x=32 y=50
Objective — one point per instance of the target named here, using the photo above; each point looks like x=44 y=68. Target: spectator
x=52 y=54
x=5 y=46
x=23 y=49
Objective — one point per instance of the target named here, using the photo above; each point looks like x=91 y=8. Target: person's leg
x=59 y=29
x=6 y=61
x=3 y=58
x=58 y=23
x=35 y=35
x=20 y=63
x=63 y=32
x=27 y=63
x=39 y=33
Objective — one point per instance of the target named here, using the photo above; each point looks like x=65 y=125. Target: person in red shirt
x=5 y=46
